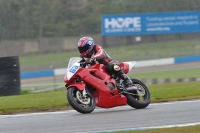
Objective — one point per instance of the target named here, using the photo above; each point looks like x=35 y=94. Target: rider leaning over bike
x=95 y=52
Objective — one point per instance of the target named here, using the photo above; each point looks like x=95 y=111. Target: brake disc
x=83 y=99
x=140 y=90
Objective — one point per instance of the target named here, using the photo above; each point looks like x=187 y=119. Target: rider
x=95 y=52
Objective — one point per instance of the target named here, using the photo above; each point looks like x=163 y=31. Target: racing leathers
x=98 y=54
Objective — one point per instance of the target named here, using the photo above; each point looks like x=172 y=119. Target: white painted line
x=36 y=114
x=99 y=109
x=155 y=62
x=146 y=128
x=175 y=102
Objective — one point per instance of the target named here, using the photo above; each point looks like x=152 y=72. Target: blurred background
x=44 y=33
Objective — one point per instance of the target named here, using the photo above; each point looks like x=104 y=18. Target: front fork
x=84 y=93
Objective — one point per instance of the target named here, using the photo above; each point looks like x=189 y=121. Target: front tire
x=142 y=100
x=78 y=102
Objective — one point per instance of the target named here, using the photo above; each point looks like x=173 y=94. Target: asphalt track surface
x=124 y=117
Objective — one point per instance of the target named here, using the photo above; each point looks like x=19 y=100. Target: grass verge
x=187 y=129
x=56 y=100
x=33 y=102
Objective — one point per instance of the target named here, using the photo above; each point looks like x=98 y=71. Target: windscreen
x=72 y=60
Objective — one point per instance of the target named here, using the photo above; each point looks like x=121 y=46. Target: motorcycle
x=89 y=85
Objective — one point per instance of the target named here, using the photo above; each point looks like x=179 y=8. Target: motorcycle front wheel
x=83 y=104
x=141 y=98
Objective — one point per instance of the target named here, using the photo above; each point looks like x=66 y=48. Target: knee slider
x=116 y=67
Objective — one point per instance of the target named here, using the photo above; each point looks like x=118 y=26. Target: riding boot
x=128 y=83
x=127 y=80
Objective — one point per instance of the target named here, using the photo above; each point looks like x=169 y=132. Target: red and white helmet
x=85 y=45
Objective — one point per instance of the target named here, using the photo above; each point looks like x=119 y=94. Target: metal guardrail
x=169 y=80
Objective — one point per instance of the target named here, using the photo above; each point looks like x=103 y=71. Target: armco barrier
x=37 y=74
x=145 y=63
x=186 y=59
x=167 y=80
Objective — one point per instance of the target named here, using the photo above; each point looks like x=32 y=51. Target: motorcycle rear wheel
x=78 y=102
x=141 y=101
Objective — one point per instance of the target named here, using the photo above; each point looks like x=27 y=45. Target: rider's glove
x=93 y=60
x=82 y=63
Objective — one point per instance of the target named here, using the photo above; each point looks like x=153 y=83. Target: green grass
x=121 y=53
x=33 y=102
x=175 y=91
x=188 y=129
x=56 y=100
x=180 y=73
x=155 y=50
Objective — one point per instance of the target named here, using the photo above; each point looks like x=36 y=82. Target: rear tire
x=139 y=102
x=86 y=105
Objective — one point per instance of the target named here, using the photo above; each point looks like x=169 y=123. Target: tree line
x=31 y=19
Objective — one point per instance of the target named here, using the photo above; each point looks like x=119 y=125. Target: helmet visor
x=83 y=49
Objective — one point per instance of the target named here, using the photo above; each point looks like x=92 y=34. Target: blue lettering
x=73 y=69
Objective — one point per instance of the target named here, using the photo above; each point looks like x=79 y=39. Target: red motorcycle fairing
x=79 y=85
x=98 y=78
